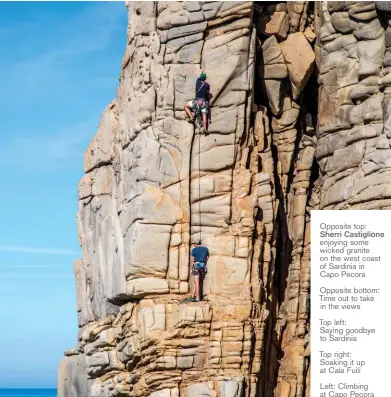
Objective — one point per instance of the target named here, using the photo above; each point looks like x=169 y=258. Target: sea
x=28 y=392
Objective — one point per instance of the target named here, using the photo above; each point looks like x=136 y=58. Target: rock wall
x=354 y=105
x=299 y=122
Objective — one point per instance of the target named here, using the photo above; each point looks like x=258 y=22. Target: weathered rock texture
x=272 y=154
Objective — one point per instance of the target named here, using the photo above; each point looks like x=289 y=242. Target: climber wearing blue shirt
x=201 y=100
x=198 y=261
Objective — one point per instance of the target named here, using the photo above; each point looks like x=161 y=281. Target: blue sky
x=59 y=68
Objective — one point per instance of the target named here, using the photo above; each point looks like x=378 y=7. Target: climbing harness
x=199 y=267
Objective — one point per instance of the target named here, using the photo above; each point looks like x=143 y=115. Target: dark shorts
x=198 y=270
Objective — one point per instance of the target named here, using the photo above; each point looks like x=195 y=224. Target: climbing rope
x=199 y=177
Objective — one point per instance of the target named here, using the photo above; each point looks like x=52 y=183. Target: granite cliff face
x=300 y=115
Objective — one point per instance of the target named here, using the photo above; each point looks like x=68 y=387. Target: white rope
x=199 y=177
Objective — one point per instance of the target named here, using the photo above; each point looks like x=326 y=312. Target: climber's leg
x=204 y=112
x=197 y=287
x=193 y=291
x=202 y=278
x=204 y=121
x=188 y=107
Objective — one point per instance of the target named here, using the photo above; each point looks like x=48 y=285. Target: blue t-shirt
x=200 y=254
x=202 y=92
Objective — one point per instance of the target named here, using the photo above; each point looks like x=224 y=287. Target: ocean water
x=28 y=392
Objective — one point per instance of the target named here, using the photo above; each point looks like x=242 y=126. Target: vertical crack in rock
x=300 y=121
x=286 y=68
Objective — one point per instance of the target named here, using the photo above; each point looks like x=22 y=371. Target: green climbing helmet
x=203 y=76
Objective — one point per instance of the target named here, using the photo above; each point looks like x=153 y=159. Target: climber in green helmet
x=201 y=101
